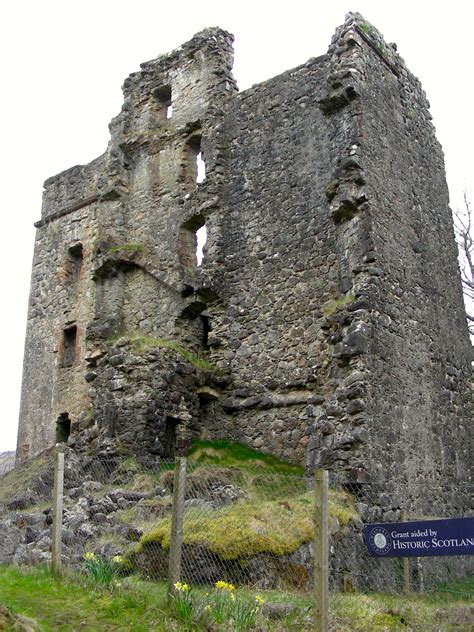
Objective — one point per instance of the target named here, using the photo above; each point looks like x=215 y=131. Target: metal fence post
x=176 y=542
x=58 y=489
x=321 y=551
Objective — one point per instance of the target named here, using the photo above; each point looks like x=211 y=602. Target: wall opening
x=69 y=345
x=73 y=263
x=206 y=328
x=162 y=94
x=200 y=168
x=191 y=242
x=169 y=438
x=201 y=240
x=63 y=428
x=193 y=166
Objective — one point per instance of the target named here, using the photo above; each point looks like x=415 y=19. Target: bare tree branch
x=463 y=228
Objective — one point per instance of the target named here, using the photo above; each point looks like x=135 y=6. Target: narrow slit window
x=200 y=168
x=201 y=239
x=69 y=346
x=163 y=97
x=193 y=164
x=191 y=243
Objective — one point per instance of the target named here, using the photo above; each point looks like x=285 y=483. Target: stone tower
x=325 y=323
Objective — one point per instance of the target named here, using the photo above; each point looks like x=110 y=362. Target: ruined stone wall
x=408 y=397
x=420 y=354
x=116 y=244
x=281 y=266
x=325 y=324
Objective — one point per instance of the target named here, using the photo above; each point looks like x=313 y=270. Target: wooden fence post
x=176 y=542
x=58 y=489
x=321 y=551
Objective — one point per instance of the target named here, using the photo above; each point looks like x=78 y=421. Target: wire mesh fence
x=248 y=527
x=25 y=512
x=352 y=568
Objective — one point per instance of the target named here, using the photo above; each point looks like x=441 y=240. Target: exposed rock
x=22 y=500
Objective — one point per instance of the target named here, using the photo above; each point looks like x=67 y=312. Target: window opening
x=193 y=166
x=201 y=239
x=191 y=243
x=69 y=342
x=169 y=439
x=74 y=261
x=206 y=328
x=163 y=96
x=63 y=428
x=200 y=168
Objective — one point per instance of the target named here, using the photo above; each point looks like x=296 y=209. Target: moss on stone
x=335 y=304
x=248 y=528
x=142 y=343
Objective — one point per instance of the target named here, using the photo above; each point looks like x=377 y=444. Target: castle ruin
x=325 y=323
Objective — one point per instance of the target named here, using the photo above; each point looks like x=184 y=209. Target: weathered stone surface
x=22 y=500
x=7 y=462
x=313 y=329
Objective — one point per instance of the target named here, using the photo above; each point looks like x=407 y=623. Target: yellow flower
x=118 y=559
x=220 y=585
x=89 y=556
x=181 y=587
x=259 y=600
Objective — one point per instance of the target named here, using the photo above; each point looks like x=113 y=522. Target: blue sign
x=453 y=536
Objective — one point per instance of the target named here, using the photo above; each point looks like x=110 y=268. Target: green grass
x=142 y=343
x=21 y=477
x=248 y=528
x=72 y=603
x=375 y=611
x=66 y=604
x=332 y=306
x=275 y=516
x=230 y=454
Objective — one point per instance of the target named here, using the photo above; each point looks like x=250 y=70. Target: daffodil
x=89 y=556
x=220 y=585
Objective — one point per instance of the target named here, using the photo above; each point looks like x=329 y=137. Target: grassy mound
x=248 y=528
x=229 y=454
x=274 y=515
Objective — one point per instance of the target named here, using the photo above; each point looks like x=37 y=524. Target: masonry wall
x=281 y=265
x=129 y=212
x=420 y=350
x=325 y=323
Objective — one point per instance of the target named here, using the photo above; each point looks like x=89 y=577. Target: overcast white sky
x=63 y=64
